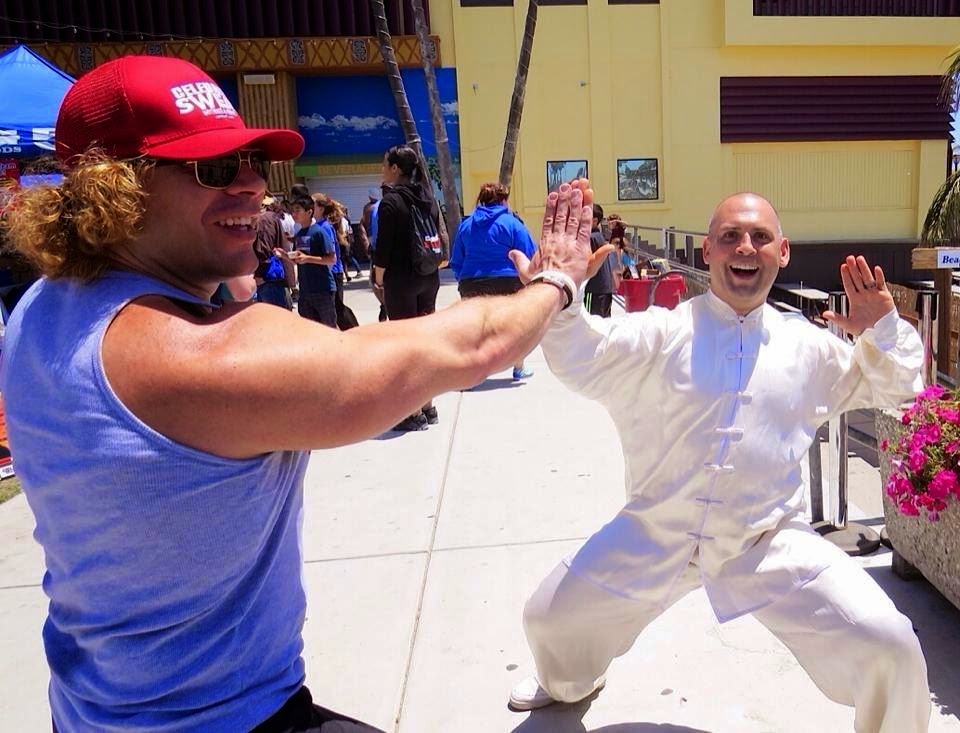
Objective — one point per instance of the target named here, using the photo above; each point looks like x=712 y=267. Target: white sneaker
x=528 y=695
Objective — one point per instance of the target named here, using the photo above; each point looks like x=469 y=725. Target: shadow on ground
x=542 y=722
x=390 y=435
x=488 y=385
x=558 y=718
x=937 y=623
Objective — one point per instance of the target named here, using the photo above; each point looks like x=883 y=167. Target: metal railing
x=666 y=239
x=662 y=244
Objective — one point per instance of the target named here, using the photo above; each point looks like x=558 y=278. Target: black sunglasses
x=221 y=172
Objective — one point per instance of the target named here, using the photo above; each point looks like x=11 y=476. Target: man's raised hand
x=868 y=299
x=565 y=236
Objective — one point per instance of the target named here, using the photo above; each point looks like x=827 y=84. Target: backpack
x=426 y=252
x=275 y=271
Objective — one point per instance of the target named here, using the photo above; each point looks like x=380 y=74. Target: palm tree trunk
x=519 y=90
x=450 y=199
x=407 y=123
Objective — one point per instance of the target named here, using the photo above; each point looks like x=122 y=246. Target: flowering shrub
x=926 y=459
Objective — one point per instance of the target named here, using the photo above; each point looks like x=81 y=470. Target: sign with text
x=948 y=258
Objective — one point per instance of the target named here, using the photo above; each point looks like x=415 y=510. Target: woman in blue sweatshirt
x=479 y=259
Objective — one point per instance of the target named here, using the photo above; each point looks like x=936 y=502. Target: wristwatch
x=558 y=279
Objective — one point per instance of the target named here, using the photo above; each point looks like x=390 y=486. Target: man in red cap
x=162 y=441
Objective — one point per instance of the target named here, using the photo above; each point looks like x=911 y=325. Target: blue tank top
x=174 y=575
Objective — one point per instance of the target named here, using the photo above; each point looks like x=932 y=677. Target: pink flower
x=950 y=414
x=925 y=457
x=918 y=440
x=903 y=485
x=908 y=507
x=898 y=485
x=942 y=485
x=934 y=391
x=883 y=444
x=916 y=460
x=932 y=433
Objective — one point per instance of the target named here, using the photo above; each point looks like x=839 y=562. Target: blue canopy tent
x=32 y=89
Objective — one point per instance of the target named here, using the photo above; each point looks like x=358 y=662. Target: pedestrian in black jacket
x=406 y=294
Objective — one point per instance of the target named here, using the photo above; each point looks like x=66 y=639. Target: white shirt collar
x=722 y=310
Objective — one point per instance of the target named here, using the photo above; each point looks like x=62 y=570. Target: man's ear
x=784 y=252
x=706 y=251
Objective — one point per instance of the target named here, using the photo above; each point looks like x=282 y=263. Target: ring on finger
x=869 y=286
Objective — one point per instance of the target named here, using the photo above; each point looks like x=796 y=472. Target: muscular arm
x=239 y=382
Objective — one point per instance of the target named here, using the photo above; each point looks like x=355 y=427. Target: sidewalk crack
x=429 y=558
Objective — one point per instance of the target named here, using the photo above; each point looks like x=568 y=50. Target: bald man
x=736 y=391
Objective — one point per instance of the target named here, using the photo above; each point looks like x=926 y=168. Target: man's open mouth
x=744 y=272
x=243 y=223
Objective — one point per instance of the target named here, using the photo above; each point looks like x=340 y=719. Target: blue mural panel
x=356 y=115
x=416 y=86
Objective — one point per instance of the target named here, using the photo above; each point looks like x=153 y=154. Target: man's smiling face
x=744 y=249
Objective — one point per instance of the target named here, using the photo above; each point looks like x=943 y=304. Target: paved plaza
x=422 y=548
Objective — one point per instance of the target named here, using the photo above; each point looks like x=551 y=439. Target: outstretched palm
x=565 y=236
x=867 y=296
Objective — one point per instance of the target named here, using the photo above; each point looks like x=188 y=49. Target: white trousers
x=842 y=628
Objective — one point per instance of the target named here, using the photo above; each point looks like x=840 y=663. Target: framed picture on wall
x=637 y=179
x=564 y=171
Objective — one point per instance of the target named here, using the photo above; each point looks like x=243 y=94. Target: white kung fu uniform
x=715 y=413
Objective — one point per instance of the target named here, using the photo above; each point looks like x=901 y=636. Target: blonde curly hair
x=69 y=231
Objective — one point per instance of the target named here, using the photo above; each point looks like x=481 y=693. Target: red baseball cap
x=162 y=107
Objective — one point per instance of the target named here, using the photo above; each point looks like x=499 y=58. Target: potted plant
x=920 y=466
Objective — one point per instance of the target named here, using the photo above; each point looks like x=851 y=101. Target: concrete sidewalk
x=422 y=548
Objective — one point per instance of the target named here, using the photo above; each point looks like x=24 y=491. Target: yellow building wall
x=816 y=186
x=642 y=81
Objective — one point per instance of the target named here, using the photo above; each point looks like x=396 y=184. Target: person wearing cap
x=162 y=442
x=736 y=391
